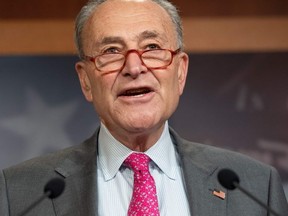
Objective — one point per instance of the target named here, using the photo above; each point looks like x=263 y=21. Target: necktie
x=144 y=199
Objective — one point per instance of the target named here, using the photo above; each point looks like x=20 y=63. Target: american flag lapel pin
x=218 y=193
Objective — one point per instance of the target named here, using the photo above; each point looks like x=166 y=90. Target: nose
x=133 y=66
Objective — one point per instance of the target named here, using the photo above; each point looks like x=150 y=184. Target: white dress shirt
x=115 y=181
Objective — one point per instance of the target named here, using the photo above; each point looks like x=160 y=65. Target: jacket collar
x=200 y=176
x=80 y=172
x=79 y=169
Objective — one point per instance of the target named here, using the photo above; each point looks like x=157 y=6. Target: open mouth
x=135 y=92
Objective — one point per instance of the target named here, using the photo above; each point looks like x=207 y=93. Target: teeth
x=134 y=92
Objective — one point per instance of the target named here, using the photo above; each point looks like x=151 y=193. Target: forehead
x=129 y=19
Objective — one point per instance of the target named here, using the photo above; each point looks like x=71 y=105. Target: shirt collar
x=112 y=153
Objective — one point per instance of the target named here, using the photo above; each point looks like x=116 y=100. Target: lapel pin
x=220 y=194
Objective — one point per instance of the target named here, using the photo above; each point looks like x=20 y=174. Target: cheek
x=173 y=82
x=178 y=79
x=169 y=89
x=100 y=98
x=102 y=89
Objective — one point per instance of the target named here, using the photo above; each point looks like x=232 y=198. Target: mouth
x=135 y=92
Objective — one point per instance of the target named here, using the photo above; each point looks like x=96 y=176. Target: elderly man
x=133 y=69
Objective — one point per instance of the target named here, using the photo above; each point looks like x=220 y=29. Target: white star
x=42 y=126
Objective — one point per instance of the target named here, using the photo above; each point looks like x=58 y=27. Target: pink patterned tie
x=144 y=199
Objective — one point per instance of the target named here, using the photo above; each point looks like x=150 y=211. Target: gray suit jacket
x=22 y=184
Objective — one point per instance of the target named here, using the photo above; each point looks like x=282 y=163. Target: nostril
x=133 y=69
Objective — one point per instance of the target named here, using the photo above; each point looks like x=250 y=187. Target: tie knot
x=138 y=161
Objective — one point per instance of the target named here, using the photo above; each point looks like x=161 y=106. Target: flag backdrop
x=237 y=101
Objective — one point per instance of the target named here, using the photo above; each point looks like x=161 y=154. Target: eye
x=111 y=50
x=153 y=46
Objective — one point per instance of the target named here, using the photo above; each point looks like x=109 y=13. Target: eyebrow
x=115 y=39
x=109 y=40
x=148 y=34
x=153 y=35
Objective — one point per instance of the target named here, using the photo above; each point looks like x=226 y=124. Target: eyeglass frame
x=138 y=52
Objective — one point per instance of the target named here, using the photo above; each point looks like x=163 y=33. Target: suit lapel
x=80 y=173
x=201 y=179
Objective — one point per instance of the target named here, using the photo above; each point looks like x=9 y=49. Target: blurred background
x=236 y=94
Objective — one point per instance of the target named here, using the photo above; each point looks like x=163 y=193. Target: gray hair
x=91 y=6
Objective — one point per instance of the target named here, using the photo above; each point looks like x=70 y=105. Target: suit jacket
x=22 y=184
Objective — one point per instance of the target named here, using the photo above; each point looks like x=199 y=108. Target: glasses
x=152 y=59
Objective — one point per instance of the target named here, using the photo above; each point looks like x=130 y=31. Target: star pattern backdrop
x=237 y=101
x=42 y=108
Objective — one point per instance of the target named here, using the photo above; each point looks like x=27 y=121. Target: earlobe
x=84 y=80
x=182 y=71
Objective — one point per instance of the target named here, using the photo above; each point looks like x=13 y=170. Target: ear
x=84 y=80
x=182 y=71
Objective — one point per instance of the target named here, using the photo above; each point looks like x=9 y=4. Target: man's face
x=135 y=99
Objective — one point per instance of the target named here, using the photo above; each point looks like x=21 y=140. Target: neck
x=138 y=141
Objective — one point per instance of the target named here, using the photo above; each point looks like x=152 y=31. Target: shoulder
x=46 y=164
x=224 y=158
x=21 y=183
x=207 y=155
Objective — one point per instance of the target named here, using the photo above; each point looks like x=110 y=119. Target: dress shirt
x=115 y=180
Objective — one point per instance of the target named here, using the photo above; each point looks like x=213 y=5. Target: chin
x=143 y=124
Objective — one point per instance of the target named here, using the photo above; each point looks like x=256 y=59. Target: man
x=133 y=70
